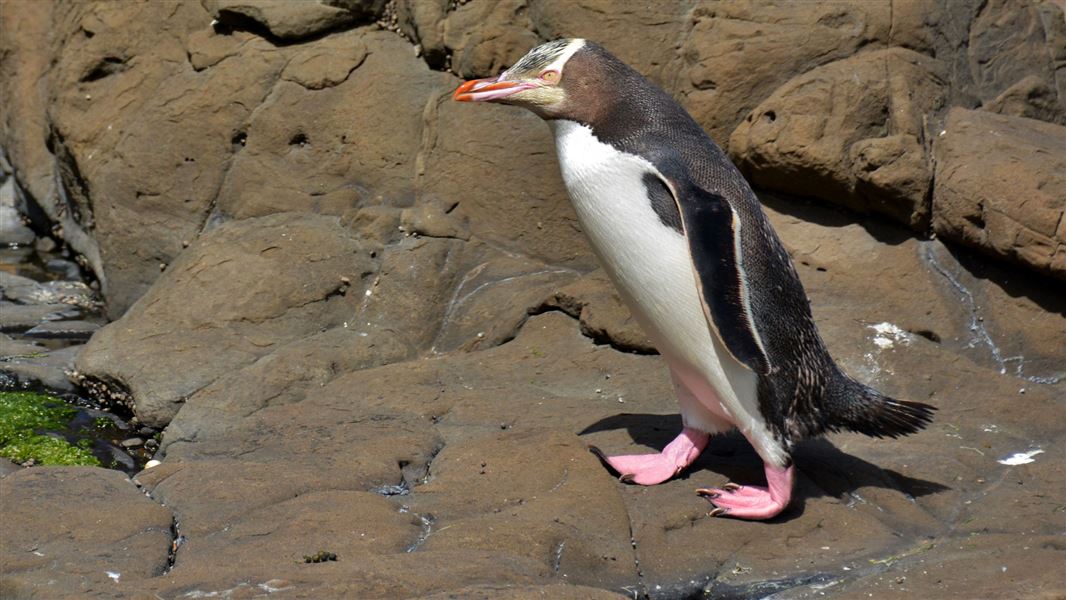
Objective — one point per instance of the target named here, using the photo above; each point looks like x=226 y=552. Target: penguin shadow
x=822 y=469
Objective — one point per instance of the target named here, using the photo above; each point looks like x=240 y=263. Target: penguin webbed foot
x=651 y=469
x=754 y=502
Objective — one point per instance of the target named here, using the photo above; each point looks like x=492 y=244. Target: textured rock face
x=380 y=343
x=853 y=129
x=1001 y=187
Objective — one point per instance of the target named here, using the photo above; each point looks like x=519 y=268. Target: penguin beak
x=489 y=90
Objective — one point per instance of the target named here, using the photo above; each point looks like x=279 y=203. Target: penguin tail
x=862 y=409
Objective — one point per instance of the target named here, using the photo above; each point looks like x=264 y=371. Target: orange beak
x=488 y=90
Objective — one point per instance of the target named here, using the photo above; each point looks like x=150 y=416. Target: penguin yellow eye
x=550 y=76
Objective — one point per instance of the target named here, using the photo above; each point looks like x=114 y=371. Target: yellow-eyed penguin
x=685 y=240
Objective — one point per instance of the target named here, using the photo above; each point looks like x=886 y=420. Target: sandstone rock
x=134 y=122
x=24 y=41
x=353 y=143
x=737 y=54
x=1031 y=97
x=594 y=301
x=1007 y=44
x=53 y=547
x=486 y=37
x=852 y=132
x=496 y=163
x=271 y=280
x=1001 y=187
x=294 y=21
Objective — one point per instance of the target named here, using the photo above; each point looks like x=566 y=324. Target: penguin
x=684 y=239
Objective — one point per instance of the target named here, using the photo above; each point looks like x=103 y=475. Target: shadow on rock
x=824 y=469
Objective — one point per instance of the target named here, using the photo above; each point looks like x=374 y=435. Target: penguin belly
x=650 y=264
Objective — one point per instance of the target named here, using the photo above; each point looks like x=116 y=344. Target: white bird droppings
x=888 y=335
x=1020 y=458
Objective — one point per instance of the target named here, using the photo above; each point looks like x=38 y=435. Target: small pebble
x=132 y=442
x=152 y=463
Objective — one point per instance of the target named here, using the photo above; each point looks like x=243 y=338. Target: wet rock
x=985 y=163
x=43 y=367
x=10 y=347
x=54 y=547
x=66 y=330
x=520 y=592
x=24 y=290
x=851 y=132
x=134 y=442
x=12 y=229
x=20 y=317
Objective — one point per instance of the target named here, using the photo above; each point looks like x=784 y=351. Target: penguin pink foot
x=650 y=469
x=753 y=502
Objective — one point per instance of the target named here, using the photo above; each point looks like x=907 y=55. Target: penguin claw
x=626 y=477
x=709 y=494
x=730 y=487
x=718 y=511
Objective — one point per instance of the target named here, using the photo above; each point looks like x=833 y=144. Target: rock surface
x=1001 y=187
x=380 y=345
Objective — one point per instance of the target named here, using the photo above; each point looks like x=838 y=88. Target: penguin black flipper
x=716 y=264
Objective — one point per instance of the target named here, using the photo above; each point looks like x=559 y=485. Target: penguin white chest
x=650 y=264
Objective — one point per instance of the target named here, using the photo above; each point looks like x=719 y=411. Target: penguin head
x=538 y=81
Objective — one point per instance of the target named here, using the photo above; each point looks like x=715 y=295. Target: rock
x=519 y=592
x=13 y=232
x=133 y=442
x=357 y=146
x=272 y=280
x=1001 y=188
x=484 y=38
x=43 y=367
x=10 y=347
x=20 y=317
x=56 y=548
x=1030 y=97
x=1006 y=45
x=594 y=301
x=7 y=467
x=850 y=132
x=469 y=157
x=66 y=330
x=736 y=55
x=24 y=290
x=295 y=21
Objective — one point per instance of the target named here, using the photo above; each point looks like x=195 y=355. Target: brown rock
x=495 y=162
x=1001 y=187
x=737 y=54
x=485 y=37
x=594 y=301
x=340 y=130
x=1031 y=97
x=272 y=280
x=295 y=20
x=850 y=132
x=78 y=531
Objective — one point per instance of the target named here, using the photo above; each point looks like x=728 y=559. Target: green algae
x=25 y=417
